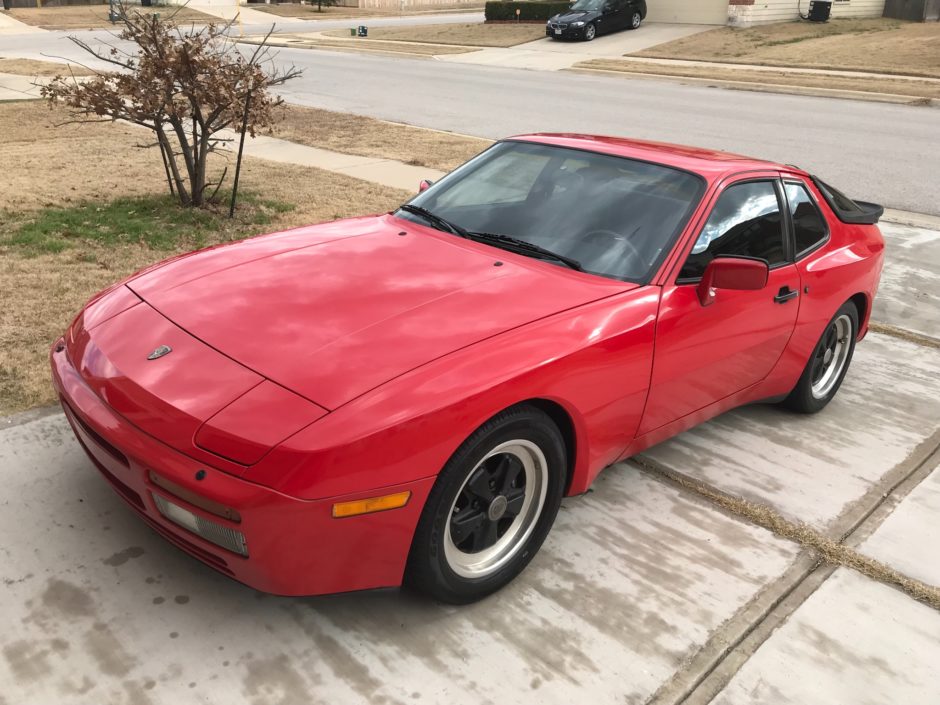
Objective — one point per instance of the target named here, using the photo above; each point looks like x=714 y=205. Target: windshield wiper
x=507 y=241
x=436 y=220
x=526 y=247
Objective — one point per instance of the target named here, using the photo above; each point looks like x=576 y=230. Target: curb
x=347 y=50
x=914 y=220
x=823 y=69
x=768 y=87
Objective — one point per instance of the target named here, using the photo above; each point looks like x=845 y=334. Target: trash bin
x=352 y=31
x=819 y=10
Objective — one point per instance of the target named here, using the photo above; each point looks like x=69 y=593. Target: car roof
x=709 y=163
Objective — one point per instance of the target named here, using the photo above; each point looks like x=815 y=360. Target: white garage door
x=688 y=11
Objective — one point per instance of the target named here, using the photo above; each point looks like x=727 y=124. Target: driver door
x=615 y=15
x=706 y=353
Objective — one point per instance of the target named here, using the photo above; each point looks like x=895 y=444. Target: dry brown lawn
x=96 y=16
x=898 y=86
x=46 y=69
x=368 y=137
x=309 y=12
x=469 y=34
x=878 y=45
x=48 y=166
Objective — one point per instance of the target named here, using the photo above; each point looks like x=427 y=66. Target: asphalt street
x=875 y=151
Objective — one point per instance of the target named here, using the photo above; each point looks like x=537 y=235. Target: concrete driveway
x=547 y=54
x=644 y=592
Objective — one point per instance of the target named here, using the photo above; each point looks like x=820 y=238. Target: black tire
x=806 y=399
x=429 y=569
x=590 y=32
x=635 y=20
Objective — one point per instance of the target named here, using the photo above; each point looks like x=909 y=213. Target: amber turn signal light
x=370 y=505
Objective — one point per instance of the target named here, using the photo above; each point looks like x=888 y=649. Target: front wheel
x=635 y=19
x=828 y=363
x=590 y=32
x=491 y=508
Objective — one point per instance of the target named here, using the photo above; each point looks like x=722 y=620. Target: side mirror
x=425 y=185
x=740 y=273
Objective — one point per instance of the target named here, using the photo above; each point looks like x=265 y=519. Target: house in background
x=742 y=13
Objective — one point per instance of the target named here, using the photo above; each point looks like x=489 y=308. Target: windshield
x=616 y=217
x=588 y=6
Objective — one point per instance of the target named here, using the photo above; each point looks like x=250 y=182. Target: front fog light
x=223 y=536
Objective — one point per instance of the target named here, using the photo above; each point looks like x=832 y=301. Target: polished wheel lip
x=484 y=563
x=830 y=358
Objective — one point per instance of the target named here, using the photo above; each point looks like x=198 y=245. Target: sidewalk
x=16 y=87
x=387 y=172
x=232 y=11
x=8 y=25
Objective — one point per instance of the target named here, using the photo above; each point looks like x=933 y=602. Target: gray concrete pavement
x=551 y=55
x=97 y=608
x=908 y=539
x=881 y=152
x=10 y=26
x=853 y=642
x=15 y=87
x=388 y=172
x=911 y=281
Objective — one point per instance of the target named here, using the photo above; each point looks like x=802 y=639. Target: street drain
x=832 y=552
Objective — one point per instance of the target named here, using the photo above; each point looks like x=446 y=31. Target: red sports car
x=407 y=397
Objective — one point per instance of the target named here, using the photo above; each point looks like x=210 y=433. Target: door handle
x=785 y=294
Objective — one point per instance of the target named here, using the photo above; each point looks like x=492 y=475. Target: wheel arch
x=565 y=424
x=863 y=306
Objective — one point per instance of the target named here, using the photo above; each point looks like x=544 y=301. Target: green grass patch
x=158 y=222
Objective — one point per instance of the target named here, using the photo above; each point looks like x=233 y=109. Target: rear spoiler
x=846 y=209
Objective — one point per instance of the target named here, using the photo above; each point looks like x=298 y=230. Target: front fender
x=593 y=361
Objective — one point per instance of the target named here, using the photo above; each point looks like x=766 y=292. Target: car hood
x=577 y=16
x=335 y=310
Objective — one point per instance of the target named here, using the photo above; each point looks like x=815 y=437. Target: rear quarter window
x=809 y=226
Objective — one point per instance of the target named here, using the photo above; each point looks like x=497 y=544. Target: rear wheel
x=491 y=508
x=828 y=364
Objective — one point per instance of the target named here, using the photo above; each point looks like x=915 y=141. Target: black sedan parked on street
x=588 y=18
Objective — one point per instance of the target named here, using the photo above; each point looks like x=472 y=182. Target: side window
x=809 y=226
x=744 y=222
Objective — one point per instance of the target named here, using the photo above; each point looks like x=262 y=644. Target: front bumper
x=567 y=32
x=295 y=547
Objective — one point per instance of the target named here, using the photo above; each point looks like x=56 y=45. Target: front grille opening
x=122 y=489
x=211 y=559
x=107 y=447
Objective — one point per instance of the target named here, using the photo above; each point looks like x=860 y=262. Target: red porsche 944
x=407 y=397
